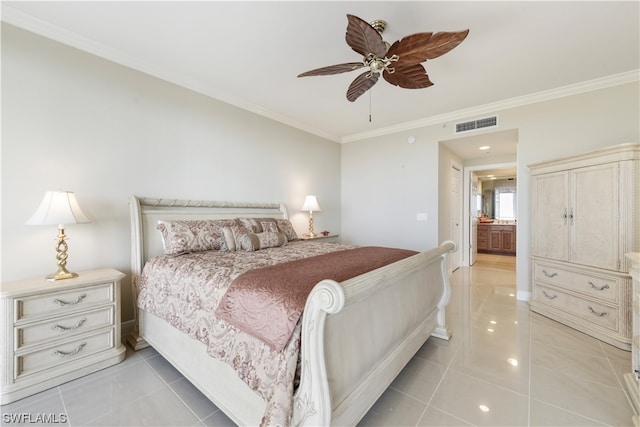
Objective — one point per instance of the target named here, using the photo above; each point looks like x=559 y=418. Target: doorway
x=474 y=206
x=475 y=151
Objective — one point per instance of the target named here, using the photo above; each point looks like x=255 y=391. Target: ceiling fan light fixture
x=378 y=65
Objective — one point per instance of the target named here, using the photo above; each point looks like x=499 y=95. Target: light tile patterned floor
x=504 y=366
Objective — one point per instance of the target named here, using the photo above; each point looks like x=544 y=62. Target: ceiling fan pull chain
x=370 y=106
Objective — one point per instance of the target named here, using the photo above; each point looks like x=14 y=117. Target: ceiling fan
x=399 y=63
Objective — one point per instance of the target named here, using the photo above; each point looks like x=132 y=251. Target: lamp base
x=61 y=274
x=61 y=256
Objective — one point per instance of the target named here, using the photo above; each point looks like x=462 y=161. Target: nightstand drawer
x=64 y=327
x=596 y=285
x=591 y=311
x=53 y=303
x=61 y=353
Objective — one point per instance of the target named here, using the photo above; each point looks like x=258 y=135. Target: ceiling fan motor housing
x=379 y=25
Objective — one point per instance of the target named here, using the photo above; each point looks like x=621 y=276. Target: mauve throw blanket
x=267 y=302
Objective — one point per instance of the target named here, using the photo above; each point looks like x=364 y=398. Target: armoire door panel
x=551 y=215
x=593 y=216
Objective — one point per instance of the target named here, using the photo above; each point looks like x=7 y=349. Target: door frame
x=455 y=259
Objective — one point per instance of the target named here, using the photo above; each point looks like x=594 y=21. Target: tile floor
x=504 y=366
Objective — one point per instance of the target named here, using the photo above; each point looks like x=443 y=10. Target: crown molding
x=547 y=95
x=27 y=22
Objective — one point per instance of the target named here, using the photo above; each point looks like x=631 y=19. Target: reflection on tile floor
x=504 y=366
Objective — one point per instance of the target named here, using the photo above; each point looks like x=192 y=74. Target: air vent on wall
x=477 y=124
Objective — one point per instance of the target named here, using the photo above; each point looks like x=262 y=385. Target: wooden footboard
x=357 y=336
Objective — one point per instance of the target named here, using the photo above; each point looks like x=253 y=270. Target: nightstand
x=331 y=238
x=53 y=332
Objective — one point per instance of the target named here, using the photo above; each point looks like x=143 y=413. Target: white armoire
x=585 y=217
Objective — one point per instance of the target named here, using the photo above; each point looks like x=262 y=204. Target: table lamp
x=311 y=205
x=59 y=207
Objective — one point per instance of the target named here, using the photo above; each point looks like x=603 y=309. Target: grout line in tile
x=448 y=413
x=581 y=415
x=168 y=385
x=615 y=374
x=495 y=384
x=139 y=397
x=64 y=406
x=446 y=370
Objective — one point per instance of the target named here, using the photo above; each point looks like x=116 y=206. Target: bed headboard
x=146 y=241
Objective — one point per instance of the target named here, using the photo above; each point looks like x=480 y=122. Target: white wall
x=386 y=181
x=73 y=121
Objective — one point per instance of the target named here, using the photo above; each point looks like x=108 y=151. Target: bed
x=352 y=340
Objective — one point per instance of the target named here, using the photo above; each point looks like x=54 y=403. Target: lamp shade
x=58 y=207
x=310 y=204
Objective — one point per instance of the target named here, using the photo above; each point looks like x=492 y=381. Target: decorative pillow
x=255 y=241
x=285 y=226
x=270 y=227
x=257 y=225
x=183 y=236
x=232 y=236
x=251 y=223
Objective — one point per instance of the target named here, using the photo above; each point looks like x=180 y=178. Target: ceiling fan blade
x=363 y=38
x=419 y=47
x=361 y=84
x=333 y=69
x=409 y=77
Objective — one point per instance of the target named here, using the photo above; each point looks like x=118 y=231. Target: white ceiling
x=249 y=53
x=501 y=144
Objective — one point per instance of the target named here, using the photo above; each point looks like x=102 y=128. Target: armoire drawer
x=596 y=285
x=600 y=314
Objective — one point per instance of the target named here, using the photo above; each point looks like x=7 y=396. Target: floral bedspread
x=186 y=290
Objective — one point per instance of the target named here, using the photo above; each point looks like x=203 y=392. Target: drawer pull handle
x=603 y=313
x=69 y=353
x=75 y=301
x=549 y=296
x=549 y=274
x=571 y=216
x=69 y=328
x=598 y=288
